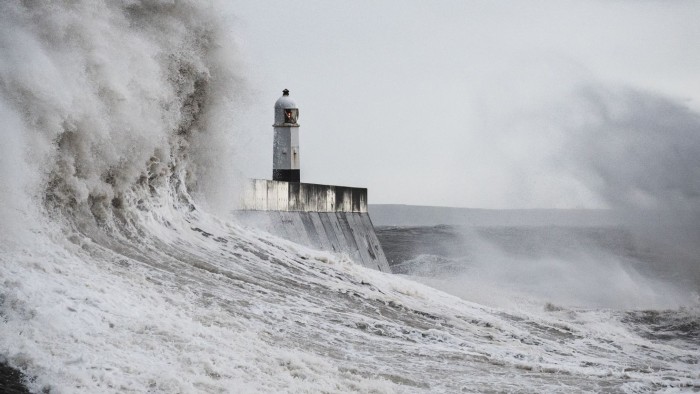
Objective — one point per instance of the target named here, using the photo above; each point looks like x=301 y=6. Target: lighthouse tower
x=325 y=217
x=285 y=146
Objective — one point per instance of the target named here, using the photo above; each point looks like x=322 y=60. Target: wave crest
x=118 y=101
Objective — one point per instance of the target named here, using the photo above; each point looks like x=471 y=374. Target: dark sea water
x=666 y=254
x=11 y=381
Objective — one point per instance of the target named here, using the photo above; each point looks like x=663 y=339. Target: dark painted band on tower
x=286 y=175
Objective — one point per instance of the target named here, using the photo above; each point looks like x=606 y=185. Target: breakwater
x=324 y=217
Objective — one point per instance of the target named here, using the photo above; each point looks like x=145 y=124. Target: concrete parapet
x=266 y=195
x=325 y=217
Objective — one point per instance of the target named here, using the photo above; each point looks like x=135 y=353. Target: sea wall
x=324 y=217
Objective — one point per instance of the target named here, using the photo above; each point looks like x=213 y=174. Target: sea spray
x=593 y=267
x=113 y=278
x=116 y=97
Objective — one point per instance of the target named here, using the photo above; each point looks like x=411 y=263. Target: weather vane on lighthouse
x=285 y=146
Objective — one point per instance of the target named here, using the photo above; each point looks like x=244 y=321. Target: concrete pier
x=266 y=195
x=324 y=217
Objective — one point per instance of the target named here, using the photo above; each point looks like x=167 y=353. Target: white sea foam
x=113 y=279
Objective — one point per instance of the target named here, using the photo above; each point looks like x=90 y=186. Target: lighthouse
x=285 y=145
x=325 y=217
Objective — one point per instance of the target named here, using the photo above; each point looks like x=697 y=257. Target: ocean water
x=610 y=266
x=121 y=272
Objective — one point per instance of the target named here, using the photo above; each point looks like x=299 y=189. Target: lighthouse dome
x=286 y=110
x=285 y=102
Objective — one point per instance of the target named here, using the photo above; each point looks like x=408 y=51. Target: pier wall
x=266 y=195
x=324 y=217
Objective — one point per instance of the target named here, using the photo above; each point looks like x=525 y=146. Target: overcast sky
x=538 y=104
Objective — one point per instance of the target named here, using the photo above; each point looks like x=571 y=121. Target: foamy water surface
x=119 y=273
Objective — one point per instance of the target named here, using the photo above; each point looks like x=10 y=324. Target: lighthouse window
x=291 y=115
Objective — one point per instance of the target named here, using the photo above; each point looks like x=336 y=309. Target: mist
x=635 y=149
x=521 y=267
x=632 y=154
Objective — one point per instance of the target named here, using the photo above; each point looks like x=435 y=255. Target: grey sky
x=480 y=103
